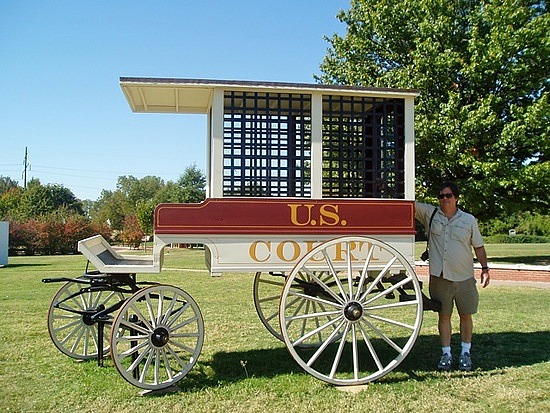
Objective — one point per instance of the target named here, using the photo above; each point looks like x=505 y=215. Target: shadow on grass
x=491 y=352
x=22 y=265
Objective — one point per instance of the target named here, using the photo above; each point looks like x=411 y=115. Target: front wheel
x=359 y=302
x=157 y=337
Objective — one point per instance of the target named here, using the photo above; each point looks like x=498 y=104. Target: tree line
x=49 y=219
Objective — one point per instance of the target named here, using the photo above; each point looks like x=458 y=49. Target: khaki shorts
x=463 y=293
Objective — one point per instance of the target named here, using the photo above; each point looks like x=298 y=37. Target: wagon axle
x=353 y=311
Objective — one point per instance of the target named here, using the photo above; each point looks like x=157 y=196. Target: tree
x=38 y=200
x=6 y=184
x=132 y=232
x=110 y=208
x=191 y=185
x=10 y=202
x=483 y=114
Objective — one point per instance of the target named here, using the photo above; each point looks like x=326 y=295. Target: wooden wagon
x=309 y=187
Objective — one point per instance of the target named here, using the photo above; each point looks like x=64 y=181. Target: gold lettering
x=281 y=251
x=331 y=213
x=252 y=251
x=294 y=214
x=310 y=245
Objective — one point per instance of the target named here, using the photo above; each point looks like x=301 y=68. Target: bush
x=52 y=234
x=524 y=223
x=518 y=239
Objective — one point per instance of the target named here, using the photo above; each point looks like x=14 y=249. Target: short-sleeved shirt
x=451 y=242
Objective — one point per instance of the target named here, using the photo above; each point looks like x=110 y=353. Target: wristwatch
x=484 y=268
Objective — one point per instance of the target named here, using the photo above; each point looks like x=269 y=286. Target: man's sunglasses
x=441 y=196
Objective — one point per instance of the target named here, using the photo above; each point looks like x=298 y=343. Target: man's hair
x=452 y=186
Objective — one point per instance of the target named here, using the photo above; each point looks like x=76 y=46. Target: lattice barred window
x=363 y=147
x=267 y=142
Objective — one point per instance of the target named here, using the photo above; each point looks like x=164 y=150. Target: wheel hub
x=160 y=337
x=87 y=319
x=353 y=311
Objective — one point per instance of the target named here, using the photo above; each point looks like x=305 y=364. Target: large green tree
x=482 y=68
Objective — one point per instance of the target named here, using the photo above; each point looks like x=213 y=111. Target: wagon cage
x=311 y=189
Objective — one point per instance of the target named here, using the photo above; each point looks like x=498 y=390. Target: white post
x=4 y=237
x=410 y=167
x=317 y=145
x=216 y=145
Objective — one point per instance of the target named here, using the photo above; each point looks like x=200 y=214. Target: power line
x=106 y=172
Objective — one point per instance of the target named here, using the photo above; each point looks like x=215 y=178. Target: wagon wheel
x=267 y=292
x=367 y=314
x=157 y=337
x=70 y=325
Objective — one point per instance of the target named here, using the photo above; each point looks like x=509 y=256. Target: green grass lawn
x=243 y=368
x=532 y=254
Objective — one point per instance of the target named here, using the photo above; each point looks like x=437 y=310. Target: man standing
x=453 y=233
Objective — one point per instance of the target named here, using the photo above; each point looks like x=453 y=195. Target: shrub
x=518 y=239
x=52 y=234
x=524 y=223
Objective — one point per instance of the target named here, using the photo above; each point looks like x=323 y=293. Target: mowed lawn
x=243 y=368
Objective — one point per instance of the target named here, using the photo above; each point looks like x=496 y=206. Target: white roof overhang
x=163 y=95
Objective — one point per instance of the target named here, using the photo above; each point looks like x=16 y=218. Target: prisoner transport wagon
x=310 y=188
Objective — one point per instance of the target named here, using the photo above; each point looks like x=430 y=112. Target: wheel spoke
x=315 y=299
x=325 y=344
x=383 y=336
x=387 y=291
x=370 y=347
x=313 y=332
x=152 y=320
x=141 y=317
x=334 y=274
x=378 y=279
x=340 y=299
x=175 y=317
x=393 y=322
x=338 y=356
x=364 y=272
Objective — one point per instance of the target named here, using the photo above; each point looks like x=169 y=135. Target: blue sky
x=60 y=64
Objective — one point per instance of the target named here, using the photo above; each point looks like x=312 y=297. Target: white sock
x=446 y=350
x=466 y=347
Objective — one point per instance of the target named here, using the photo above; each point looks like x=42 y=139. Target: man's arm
x=481 y=255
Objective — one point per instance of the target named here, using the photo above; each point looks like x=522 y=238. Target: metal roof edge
x=262 y=84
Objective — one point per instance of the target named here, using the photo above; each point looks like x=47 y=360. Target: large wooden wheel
x=358 y=302
x=267 y=292
x=157 y=337
x=70 y=324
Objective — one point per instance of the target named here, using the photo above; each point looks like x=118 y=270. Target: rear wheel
x=70 y=323
x=267 y=292
x=358 y=302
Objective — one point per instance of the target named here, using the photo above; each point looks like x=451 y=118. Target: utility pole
x=25 y=166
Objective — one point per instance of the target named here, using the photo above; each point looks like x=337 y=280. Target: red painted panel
x=286 y=216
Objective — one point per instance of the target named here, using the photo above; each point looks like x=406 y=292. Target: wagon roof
x=168 y=95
